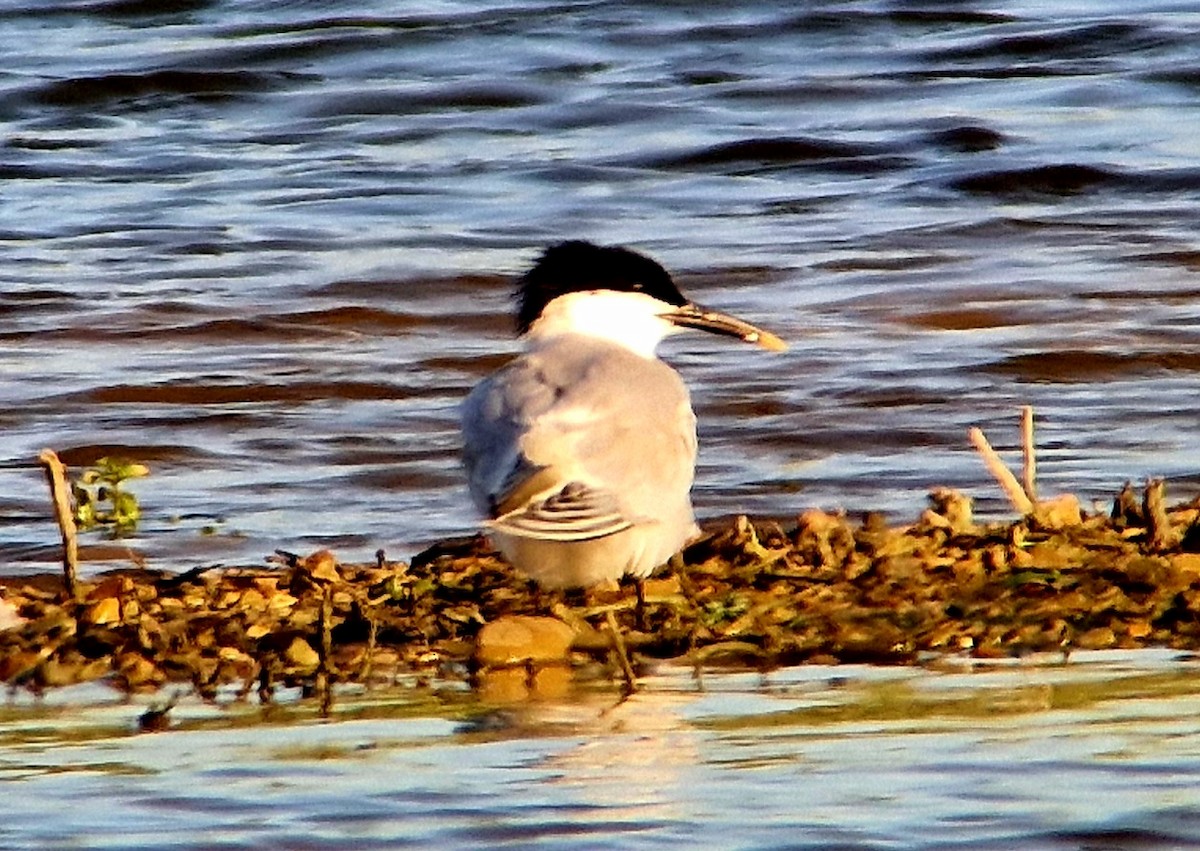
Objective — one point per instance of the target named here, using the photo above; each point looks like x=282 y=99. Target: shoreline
x=827 y=590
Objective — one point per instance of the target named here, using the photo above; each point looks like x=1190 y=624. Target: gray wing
x=558 y=445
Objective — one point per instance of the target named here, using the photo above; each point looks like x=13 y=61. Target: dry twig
x=1008 y=482
x=1161 y=534
x=60 y=491
x=1029 y=477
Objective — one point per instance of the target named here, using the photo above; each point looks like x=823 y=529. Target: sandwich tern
x=581 y=451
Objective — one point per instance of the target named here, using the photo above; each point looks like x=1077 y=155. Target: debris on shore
x=826 y=589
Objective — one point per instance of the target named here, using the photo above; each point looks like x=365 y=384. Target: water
x=1101 y=753
x=266 y=248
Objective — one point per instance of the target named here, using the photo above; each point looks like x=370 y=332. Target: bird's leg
x=689 y=592
x=639 y=609
x=575 y=596
x=685 y=585
x=622 y=655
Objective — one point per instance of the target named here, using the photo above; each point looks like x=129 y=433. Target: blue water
x=266 y=247
x=1101 y=753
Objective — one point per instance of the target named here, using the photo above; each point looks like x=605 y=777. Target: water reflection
x=1025 y=754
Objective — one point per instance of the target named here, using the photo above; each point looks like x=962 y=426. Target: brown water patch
x=39 y=297
x=1082 y=365
x=479 y=365
x=893 y=397
x=411 y=452
x=355 y=316
x=886 y=263
x=732 y=277
x=392 y=479
x=226 y=394
x=471 y=324
x=963 y=319
x=434 y=287
x=1187 y=259
x=88 y=553
x=82 y=456
x=232 y=330
x=300 y=325
x=1184 y=296
x=224 y=420
x=748 y=409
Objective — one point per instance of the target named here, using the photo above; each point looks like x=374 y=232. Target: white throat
x=632 y=320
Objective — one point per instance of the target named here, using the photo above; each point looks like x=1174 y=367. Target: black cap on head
x=579 y=266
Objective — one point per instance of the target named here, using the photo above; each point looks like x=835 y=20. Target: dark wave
x=338 y=37
x=949 y=14
x=1187 y=259
x=1074 y=178
x=147 y=8
x=39 y=297
x=782 y=152
x=159 y=84
x=1065 y=179
x=1188 y=77
x=966 y=138
x=848 y=19
x=480 y=96
x=1089 y=41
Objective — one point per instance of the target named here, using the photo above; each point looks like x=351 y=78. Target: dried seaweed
x=829 y=589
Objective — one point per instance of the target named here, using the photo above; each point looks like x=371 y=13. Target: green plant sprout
x=99 y=499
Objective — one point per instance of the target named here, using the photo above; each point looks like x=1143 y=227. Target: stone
x=301 y=654
x=104 y=611
x=516 y=639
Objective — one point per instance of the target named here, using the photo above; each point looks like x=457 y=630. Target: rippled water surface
x=266 y=247
x=1100 y=753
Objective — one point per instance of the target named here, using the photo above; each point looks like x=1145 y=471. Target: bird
x=580 y=453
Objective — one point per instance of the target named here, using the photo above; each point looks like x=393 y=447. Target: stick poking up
x=1029 y=477
x=1008 y=482
x=60 y=492
x=1055 y=513
x=1162 y=535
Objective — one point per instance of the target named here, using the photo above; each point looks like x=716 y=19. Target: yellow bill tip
x=767 y=340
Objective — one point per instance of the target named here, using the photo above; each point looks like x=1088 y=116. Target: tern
x=580 y=453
